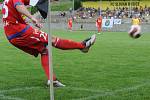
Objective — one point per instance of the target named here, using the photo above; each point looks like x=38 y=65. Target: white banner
x=117 y=21
x=107 y=23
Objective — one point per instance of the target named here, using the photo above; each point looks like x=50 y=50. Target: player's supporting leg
x=99 y=29
x=45 y=64
x=131 y=29
x=69 y=44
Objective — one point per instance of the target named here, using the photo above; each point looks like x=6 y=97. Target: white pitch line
x=84 y=89
x=109 y=93
x=19 y=89
x=2 y=96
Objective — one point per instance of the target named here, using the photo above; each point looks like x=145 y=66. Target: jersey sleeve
x=17 y=2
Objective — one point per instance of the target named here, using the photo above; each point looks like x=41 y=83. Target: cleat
x=88 y=43
x=48 y=83
x=99 y=33
x=56 y=83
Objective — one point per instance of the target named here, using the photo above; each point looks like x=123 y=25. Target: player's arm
x=23 y=10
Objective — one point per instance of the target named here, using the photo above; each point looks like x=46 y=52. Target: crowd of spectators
x=124 y=12
x=85 y=13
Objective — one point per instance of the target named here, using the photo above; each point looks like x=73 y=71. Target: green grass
x=116 y=68
x=62 y=5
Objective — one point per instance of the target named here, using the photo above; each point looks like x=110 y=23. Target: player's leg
x=138 y=29
x=66 y=44
x=99 y=29
x=69 y=26
x=131 y=29
x=137 y=33
x=45 y=64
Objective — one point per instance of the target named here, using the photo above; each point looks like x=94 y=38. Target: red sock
x=45 y=64
x=67 y=44
x=99 y=29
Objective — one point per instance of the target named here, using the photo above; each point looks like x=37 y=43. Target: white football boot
x=88 y=43
x=56 y=83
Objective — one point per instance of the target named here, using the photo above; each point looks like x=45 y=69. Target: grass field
x=62 y=5
x=116 y=68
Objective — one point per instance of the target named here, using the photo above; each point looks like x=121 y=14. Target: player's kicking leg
x=65 y=44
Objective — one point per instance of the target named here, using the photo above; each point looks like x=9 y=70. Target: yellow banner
x=124 y=3
x=115 y=4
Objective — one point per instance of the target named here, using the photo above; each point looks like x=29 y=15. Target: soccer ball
x=134 y=33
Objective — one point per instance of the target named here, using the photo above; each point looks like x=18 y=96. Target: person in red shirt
x=99 y=23
x=70 y=23
x=32 y=40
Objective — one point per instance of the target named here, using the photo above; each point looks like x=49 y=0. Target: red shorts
x=32 y=41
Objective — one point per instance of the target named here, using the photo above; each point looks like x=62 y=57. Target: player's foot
x=56 y=83
x=99 y=33
x=88 y=43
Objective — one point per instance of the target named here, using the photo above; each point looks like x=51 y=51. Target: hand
x=36 y=22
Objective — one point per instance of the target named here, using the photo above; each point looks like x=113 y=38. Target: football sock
x=67 y=44
x=45 y=64
x=99 y=30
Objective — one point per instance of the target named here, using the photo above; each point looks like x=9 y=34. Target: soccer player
x=70 y=23
x=99 y=23
x=136 y=21
x=32 y=40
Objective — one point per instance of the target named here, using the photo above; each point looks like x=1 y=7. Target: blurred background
x=85 y=12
